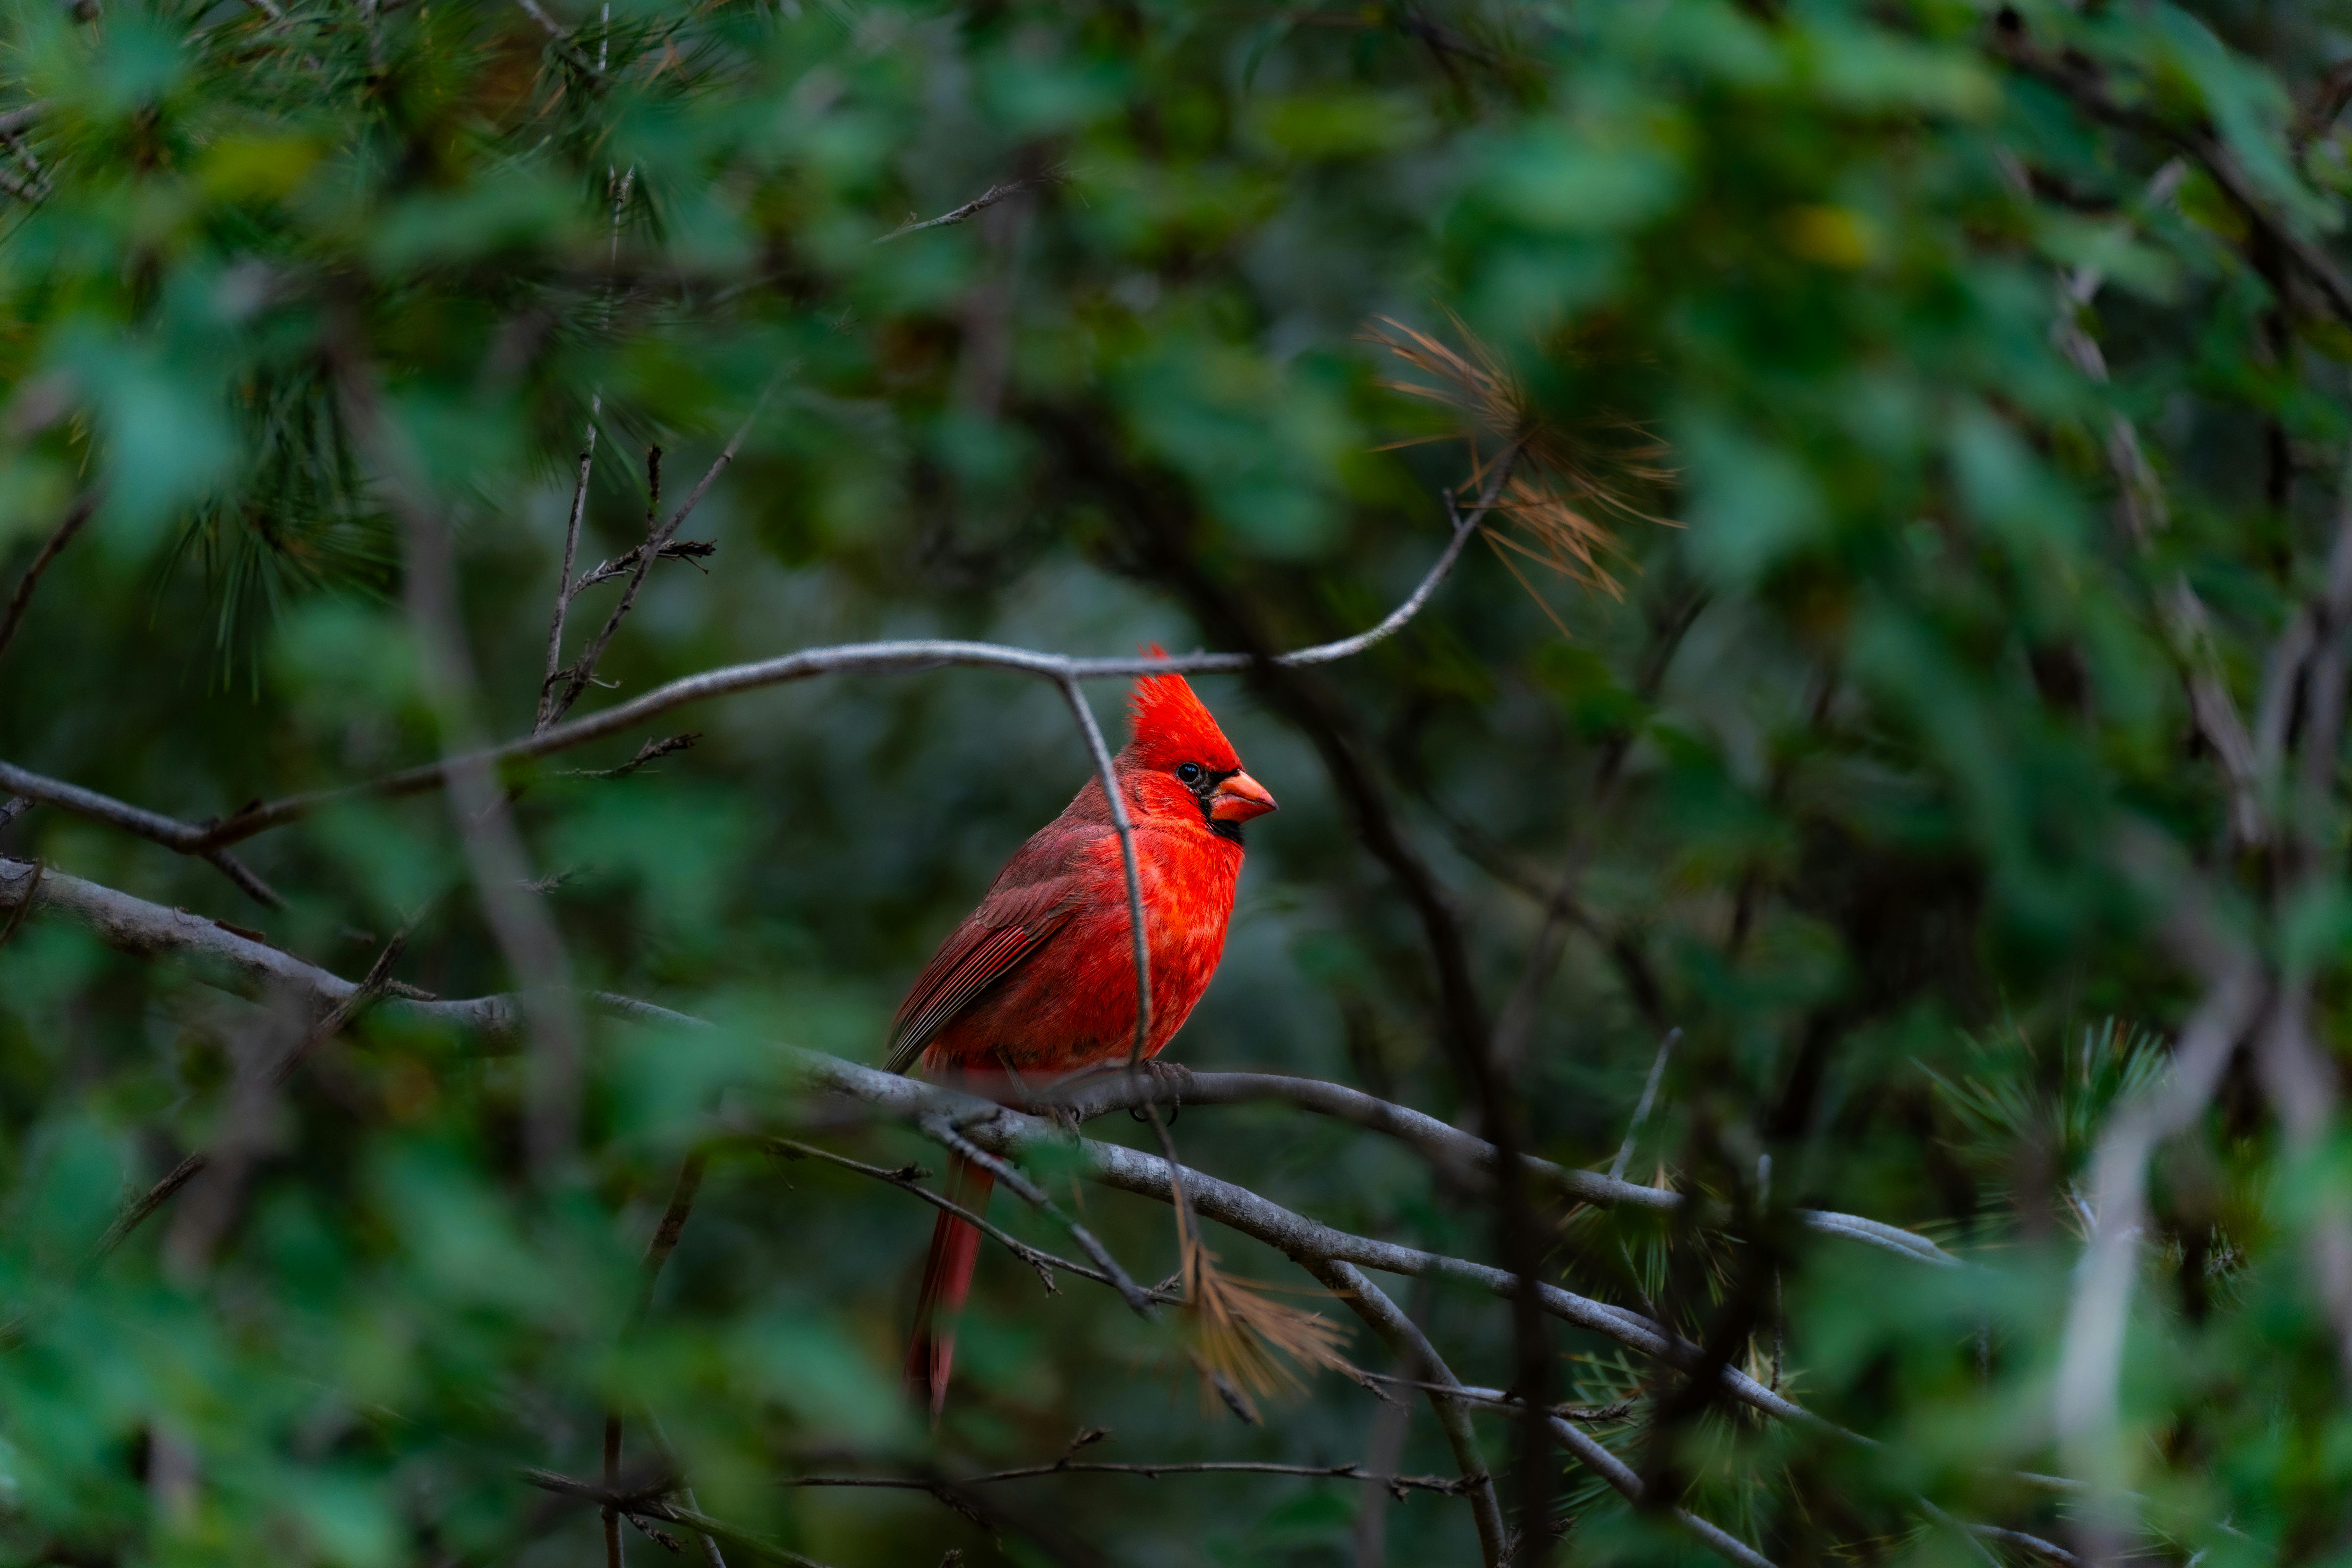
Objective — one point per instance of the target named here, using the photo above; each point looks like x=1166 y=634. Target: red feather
x=1040 y=979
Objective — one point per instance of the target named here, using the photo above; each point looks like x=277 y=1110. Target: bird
x=1038 y=981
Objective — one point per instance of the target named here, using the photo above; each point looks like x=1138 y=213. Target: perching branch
x=1465 y=1156
x=993 y=1133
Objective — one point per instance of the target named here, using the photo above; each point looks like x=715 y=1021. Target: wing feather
x=1032 y=900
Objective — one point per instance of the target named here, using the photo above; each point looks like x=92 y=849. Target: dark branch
x=972 y=209
x=77 y=514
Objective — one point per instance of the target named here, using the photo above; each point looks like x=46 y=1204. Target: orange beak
x=1239 y=799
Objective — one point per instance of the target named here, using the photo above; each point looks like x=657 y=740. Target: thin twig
x=626 y=562
x=652 y=750
x=1596 y=1415
x=909 y=1180
x=651 y=1503
x=337 y=1018
x=944 y=1132
x=137 y=1213
x=979 y=203
x=523 y=926
x=563 y=588
x=583 y=669
x=1642 y=1110
x=1138 y=938
x=1450 y=1487
x=555 y=32
x=77 y=514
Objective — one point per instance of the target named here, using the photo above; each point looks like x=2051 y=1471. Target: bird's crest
x=1170 y=726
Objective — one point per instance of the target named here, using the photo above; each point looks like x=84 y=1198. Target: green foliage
x=1909 y=407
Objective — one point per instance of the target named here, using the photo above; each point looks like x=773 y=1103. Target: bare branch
x=908 y=1180
x=524 y=928
x=1139 y=938
x=978 y=205
x=651 y=1503
x=2090 y=1363
x=76 y=514
x=1412 y=1347
x=876 y=658
x=657 y=540
x=651 y=752
x=337 y=1018
x=186 y=837
x=1464 y=1154
x=945 y=1131
x=1152 y=1472
x=975 y=1128
x=563 y=40
x=626 y=562
x=563 y=588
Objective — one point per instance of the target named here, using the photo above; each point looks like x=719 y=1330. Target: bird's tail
x=947 y=1278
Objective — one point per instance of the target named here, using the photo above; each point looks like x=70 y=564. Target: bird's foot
x=1167 y=1080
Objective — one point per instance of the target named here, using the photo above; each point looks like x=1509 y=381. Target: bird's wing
x=1031 y=900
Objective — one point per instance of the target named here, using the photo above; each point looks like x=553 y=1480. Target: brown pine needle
x=1567 y=488
x=1245 y=1337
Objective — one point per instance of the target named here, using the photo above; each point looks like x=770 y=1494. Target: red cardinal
x=1039 y=980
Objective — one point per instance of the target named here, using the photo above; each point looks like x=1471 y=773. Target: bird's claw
x=1166 y=1076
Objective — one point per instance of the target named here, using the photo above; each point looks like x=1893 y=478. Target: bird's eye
x=1189 y=772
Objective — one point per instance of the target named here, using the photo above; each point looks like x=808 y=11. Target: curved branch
x=1405 y=1338
x=1139 y=940
x=246 y=966
x=852 y=658
x=1439 y=1140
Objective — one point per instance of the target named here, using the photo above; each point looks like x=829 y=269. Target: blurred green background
x=1818 y=641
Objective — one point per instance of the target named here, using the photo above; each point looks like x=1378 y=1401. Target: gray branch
x=854 y=658
x=1464 y=1153
x=972 y=209
x=244 y=965
x=1412 y=1347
